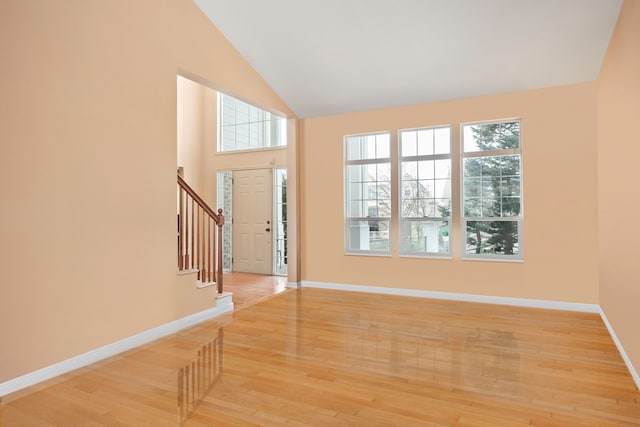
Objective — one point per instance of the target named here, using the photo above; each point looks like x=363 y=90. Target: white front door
x=252 y=222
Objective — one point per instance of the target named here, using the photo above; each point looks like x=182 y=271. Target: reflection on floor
x=250 y=288
x=310 y=357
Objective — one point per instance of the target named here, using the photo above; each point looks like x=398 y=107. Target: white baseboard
x=293 y=285
x=520 y=302
x=224 y=304
x=626 y=359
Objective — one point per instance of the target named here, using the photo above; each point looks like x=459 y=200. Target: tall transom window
x=243 y=126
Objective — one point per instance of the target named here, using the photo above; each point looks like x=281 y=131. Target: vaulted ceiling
x=335 y=56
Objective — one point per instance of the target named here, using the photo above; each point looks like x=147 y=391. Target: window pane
x=509 y=165
x=370 y=172
x=425 y=169
x=426 y=188
x=409 y=170
x=246 y=127
x=510 y=186
x=510 y=206
x=424 y=237
x=368 y=147
x=371 y=191
x=383 y=172
x=472 y=207
x=472 y=187
x=427 y=207
x=492 y=237
x=496 y=181
x=355 y=173
x=384 y=208
x=382 y=147
x=409 y=189
x=425 y=142
x=489 y=187
x=491 y=136
x=408 y=143
x=356 y=209
x=442 y=168
x=372 y=209
x=491 y=207
x=472 y=167
x=357 y=148
x=410 y=209
x=368 y=235
x=442 y=141
x=443 y=208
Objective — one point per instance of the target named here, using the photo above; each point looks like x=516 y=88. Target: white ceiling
x=334 y=56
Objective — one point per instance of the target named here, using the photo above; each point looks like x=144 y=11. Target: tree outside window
x=492 y=191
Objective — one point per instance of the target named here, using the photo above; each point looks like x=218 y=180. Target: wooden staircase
x=199 y=236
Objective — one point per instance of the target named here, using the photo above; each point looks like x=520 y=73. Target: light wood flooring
x=250 y=288
x=310 y=357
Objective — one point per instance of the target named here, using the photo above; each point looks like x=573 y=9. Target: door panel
x=252 y=207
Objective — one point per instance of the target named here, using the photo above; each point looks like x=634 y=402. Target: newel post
x=220 y=224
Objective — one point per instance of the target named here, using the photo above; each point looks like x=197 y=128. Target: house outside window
x=425 y=191
x=368 y=194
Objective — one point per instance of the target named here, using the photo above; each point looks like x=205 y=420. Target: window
x=367 y=193
x=492 y=190
x=245 y=127
x=225 y=201
x=280 y=223
x=425 y=191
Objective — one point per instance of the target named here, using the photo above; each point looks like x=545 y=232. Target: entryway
x=253 y=201
x=252 y=221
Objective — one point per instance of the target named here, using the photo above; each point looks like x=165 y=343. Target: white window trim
x=265 y=125
x=347 y=219
x=519 y=257
x=398 y=188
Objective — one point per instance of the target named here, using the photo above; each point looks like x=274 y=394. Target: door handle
x=268 y=229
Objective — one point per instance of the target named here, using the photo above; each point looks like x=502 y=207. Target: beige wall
x=197 y=137
x=88 y=141
x=619 y=194
x=559 y=161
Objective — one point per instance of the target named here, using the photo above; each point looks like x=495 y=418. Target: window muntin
x=492 y=190
x=425 y=191
x=243 y=126
x=368 y=193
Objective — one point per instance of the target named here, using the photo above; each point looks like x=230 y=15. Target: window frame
x=282 y=123
x=400 y=195
x=347 y=199
x=519 y=257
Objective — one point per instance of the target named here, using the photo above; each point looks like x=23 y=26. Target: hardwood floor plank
x=311 y=357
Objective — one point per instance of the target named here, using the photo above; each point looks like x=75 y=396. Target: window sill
x=427 y=256
x=252 y=150
x=516 y=260
x=372 y=254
